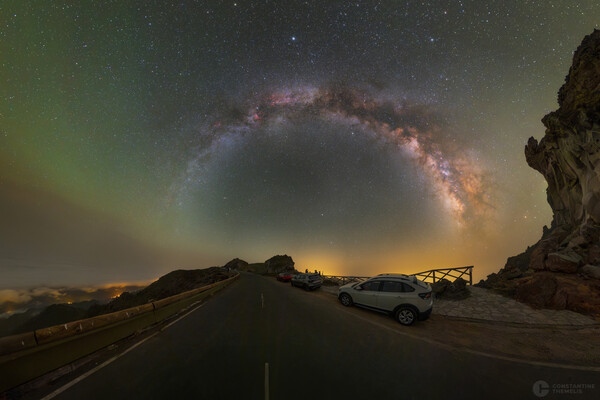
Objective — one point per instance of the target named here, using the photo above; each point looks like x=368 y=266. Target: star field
x=358 y=137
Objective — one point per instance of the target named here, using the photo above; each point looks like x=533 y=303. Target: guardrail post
x=471 y=276
x=433 y=276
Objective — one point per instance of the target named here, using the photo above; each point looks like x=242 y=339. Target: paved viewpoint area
x=260 y=338
x=485 y=305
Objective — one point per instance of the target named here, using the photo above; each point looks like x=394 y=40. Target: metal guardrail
x=345 y=279
x=431 y=276
x=29 y=355
x=436 y=275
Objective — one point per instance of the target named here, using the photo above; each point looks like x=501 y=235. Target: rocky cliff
x=565 y=263
x=277 y=264
x=272 y=266
x=569 y=159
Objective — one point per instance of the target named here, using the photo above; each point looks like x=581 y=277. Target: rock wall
x=277 y=264
x=562 y=270
x=236 y=264
x=569 y=159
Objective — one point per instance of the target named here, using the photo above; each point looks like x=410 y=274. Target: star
x=402 y=122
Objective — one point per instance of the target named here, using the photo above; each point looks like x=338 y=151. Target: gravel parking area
x=485 y=306
x=493 y=324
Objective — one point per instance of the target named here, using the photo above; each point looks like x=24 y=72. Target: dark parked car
x=284 y=276
x=307 y=281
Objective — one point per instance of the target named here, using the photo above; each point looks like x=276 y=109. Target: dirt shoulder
x=559 y=345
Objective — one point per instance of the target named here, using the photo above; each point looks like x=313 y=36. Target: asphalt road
x=315 y=349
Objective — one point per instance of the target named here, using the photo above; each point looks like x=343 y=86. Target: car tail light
x=425 y=296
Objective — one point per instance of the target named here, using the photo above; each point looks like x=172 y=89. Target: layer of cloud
x=18 y=300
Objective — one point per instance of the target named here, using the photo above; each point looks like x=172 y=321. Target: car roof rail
x=401 y=276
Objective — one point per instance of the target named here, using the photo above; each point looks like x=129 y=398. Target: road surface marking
x=266 y=381
x=90 y=372
x=262 y=300
x=104 y=364
x=183 y=316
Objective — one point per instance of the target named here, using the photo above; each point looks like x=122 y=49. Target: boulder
x=593 y=255
x=277 y=264
x=560 y=291
x=513 y=274
x=236 y=264
x=561 y=262
x=489 y=282
x=536 y=290
x=459 y=285
x=591 y=270
x=444 y=289
x=550 y=242
x=519 y=262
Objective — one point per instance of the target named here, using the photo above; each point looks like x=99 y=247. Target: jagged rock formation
x=277 y=264
x=236 y=264
x=569 y=159
x=273 y=265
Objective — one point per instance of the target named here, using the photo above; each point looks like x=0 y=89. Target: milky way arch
x=460 y=183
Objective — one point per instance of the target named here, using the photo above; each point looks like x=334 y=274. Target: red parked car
x=284 y=276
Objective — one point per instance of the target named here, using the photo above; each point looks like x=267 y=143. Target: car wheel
x=346 y=300
x=406 y=315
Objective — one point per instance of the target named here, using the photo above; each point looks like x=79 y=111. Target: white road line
x=262 y=300
x=90 y=372
x=476 y=352
x=182 y=317
x=104 y=364
x=266 y=381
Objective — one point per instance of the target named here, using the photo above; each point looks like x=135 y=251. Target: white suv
x=403 y=296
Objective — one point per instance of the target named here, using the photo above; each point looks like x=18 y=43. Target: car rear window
x=407 y=288
x=391 y=286
x=314 y=278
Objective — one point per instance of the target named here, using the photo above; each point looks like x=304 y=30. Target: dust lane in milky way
x=461 y=184
x=358 y=137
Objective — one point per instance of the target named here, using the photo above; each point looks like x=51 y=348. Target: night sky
x=357 y=137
